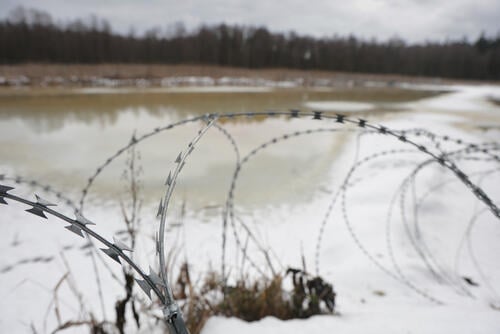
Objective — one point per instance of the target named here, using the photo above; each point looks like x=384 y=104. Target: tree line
x=33 y=36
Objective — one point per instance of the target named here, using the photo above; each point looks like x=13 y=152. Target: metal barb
x=82 y=220
x=160 y=209
x=2 y=201
x=5 y=189
x=422 y=148
x=37 y=212
x=75 y=229
x=43 y=202
x=179 y=158
x=169 y=179
x=111 y=253
x=133 y=140
x=155 y=277
x=121 y=245
x=144 y=286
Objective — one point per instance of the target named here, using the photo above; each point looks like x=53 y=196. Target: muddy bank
x=141 y=75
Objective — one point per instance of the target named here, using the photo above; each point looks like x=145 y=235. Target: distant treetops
x=30 y=35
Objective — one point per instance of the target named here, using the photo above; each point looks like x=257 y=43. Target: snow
x=175 y=89
x=368 y=298
x=461 y=99
x=355 y=278
x=341 y=106
x=371 y=318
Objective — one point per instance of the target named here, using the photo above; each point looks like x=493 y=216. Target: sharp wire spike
x=160 y=209
x=111 y=253
x=82 y=220
x=144 y=286
x=43 y=201
x=169 y=179
x=121 y=245
x=157 y=243
x=179 y=158
x=2 y=201
x=75 y=229
x=5 y=189
x=37 y=212
x=133 y=140
x=155 y=277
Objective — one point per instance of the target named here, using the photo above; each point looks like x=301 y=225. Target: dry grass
x=37 y=72
x=252 y=300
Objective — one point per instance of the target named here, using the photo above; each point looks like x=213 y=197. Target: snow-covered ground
x=382 y=283
x=385 y=287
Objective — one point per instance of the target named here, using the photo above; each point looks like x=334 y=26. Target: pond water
x=60 y=137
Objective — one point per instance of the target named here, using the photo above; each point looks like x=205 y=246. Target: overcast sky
x=412 y=20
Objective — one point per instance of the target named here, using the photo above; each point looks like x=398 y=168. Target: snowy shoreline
x=369 y=300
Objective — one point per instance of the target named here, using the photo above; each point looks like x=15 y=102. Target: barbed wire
x=433 y=149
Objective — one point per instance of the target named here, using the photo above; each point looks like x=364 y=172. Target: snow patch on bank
x=187 y=89
x=345 y=106
x=460 y=98
x=292 y=231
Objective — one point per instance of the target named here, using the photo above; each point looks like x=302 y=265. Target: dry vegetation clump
x=249 y=299
x=252 y=300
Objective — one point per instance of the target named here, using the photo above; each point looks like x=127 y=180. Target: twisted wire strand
x=371 y=258
x=361 y=125
x=48 y=189
x=229 y=211
x=171 y=183
x=40 y=209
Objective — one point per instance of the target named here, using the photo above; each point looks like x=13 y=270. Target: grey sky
x=413 y=20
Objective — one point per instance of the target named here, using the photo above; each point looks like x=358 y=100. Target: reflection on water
x=50 y=112
x=60 y=139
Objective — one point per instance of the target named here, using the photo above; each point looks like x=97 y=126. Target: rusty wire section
x=419 y=142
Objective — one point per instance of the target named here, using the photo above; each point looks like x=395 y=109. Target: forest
x=33 y=36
